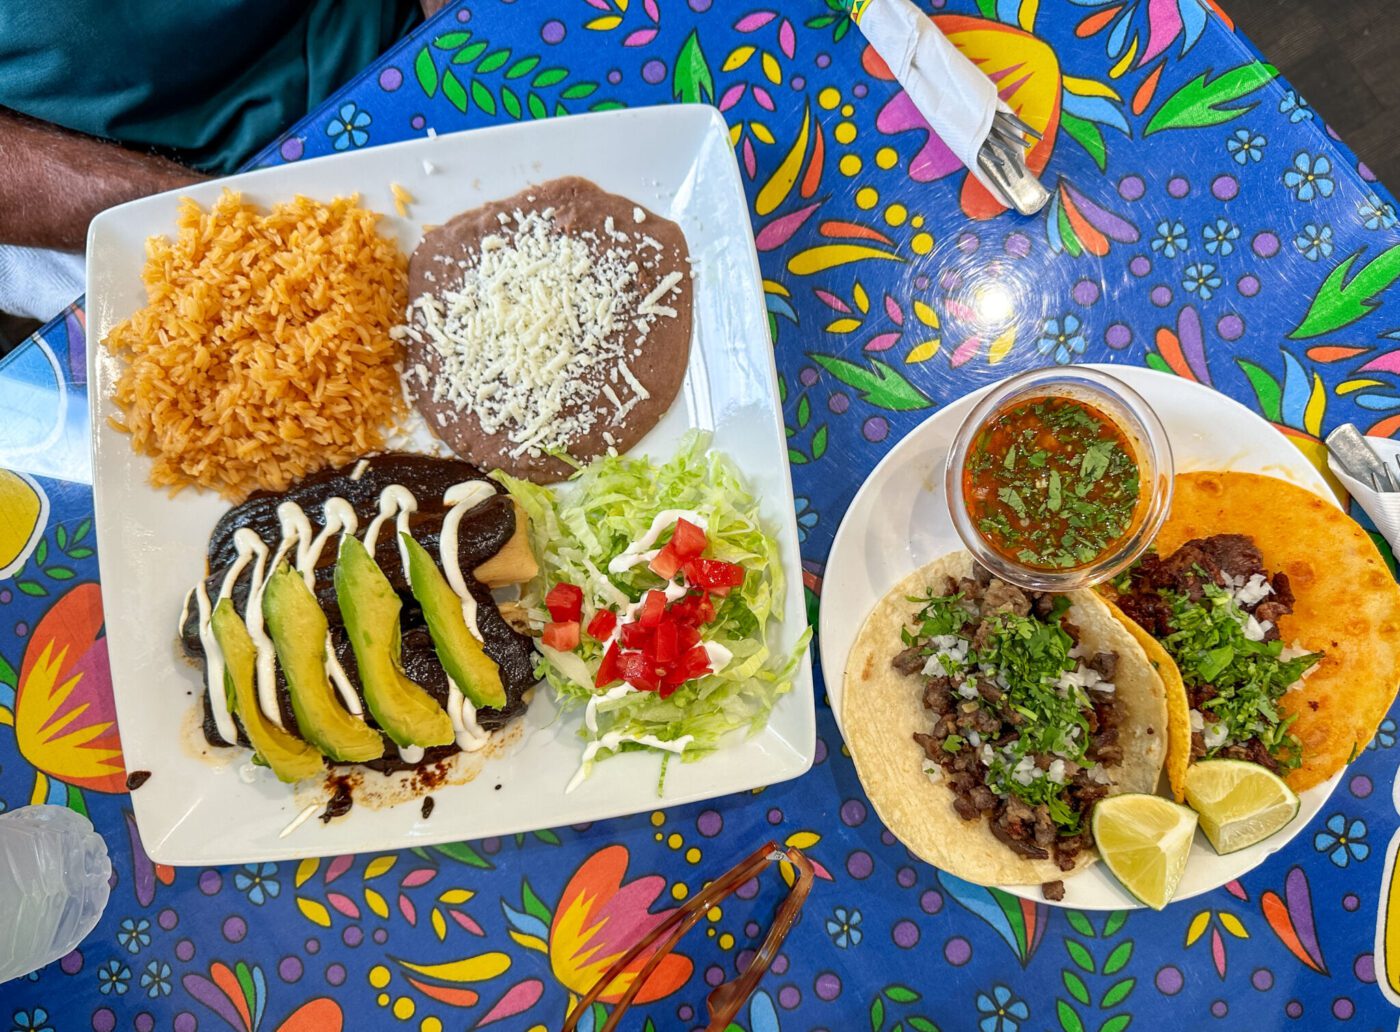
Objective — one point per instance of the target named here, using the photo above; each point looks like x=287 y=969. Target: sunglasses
x=726 y=999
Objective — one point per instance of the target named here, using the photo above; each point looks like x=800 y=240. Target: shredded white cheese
x=535 y=331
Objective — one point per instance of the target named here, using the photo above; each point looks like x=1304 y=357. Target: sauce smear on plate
x=1053 y=483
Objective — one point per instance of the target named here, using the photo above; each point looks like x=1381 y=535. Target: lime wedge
x=1239 y=803
x=1145 y=841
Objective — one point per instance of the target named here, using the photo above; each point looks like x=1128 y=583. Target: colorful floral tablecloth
x=1204 y=222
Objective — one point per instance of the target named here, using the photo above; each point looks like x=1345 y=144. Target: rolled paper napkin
x=955 y=98
x=1382 y=506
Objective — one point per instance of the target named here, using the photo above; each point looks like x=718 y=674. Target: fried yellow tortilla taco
x=985 y=722
x=1276 y=624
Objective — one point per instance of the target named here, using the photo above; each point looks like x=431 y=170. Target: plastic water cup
x=54 y=883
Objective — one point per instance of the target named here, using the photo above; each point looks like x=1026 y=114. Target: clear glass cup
x=1139 y=424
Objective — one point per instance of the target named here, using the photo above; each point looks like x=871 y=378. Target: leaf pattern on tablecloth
x=1203 y=222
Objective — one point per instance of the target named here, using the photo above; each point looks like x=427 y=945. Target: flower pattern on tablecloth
x=1202 y=223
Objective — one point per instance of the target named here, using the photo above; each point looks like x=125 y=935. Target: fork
x=1002 y=158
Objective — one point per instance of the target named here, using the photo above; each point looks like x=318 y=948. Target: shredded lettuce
x=603 y=510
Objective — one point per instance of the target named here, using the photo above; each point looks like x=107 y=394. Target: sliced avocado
x=370 y=607
x=299 y=632
x=461 y=655
x=290 y=758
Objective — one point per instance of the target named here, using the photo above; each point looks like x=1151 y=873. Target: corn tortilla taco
x=986 y=722
x=1276 y=622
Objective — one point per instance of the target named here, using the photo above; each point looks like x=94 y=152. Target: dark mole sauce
x=427 y=810
x=482 y=532
x=136 y=779
x=340 y=801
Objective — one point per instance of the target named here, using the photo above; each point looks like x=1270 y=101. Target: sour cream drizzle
x=590 y=712
x=339 y=518
x=249 y=546
x=637 y=552
x=218 y=699
x=613 y=739
x=462 y=498
x=396 y=502
x=300 y=819
x=470 y=736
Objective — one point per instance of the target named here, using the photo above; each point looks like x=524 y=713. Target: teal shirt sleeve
x=207 y=82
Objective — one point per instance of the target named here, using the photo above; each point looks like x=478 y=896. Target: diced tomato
x=666 y=562
x=704 y=609
x=686 y=638
x=653 y=605
x=564 y=602
x=695 y=609
x=682 y=611
x=713 y=575
x=688 y=540
x=638 y=671
x=675 y=677
x=634 y=635
x=608 y=668
x=602 y=625
x=561 y=635
x=695 y=662
x=664 y=643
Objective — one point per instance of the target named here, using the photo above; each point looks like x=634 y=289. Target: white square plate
x=196 y=808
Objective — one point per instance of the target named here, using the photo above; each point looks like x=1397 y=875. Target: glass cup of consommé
x=1059 y=478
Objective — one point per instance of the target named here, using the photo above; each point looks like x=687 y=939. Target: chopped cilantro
x=1026 y=658
x=1012 y=497
x=1046 y=466
x=1096 y=460
x=1249 y=677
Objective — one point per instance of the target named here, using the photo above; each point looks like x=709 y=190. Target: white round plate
x=899 y=521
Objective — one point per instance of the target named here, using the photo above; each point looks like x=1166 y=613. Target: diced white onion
x=1256 y=630
x=1253 y=591
x=1216 y=734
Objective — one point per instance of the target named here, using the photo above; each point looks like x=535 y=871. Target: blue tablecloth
x=1205 y=222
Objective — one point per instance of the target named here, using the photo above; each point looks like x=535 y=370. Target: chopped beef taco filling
x=1024 y=726
x=1215 y=609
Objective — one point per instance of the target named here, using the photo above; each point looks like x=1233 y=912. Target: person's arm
x=54 y=181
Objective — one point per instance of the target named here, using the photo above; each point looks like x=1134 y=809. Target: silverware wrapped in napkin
x=1369 y=468
x=957 y=100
